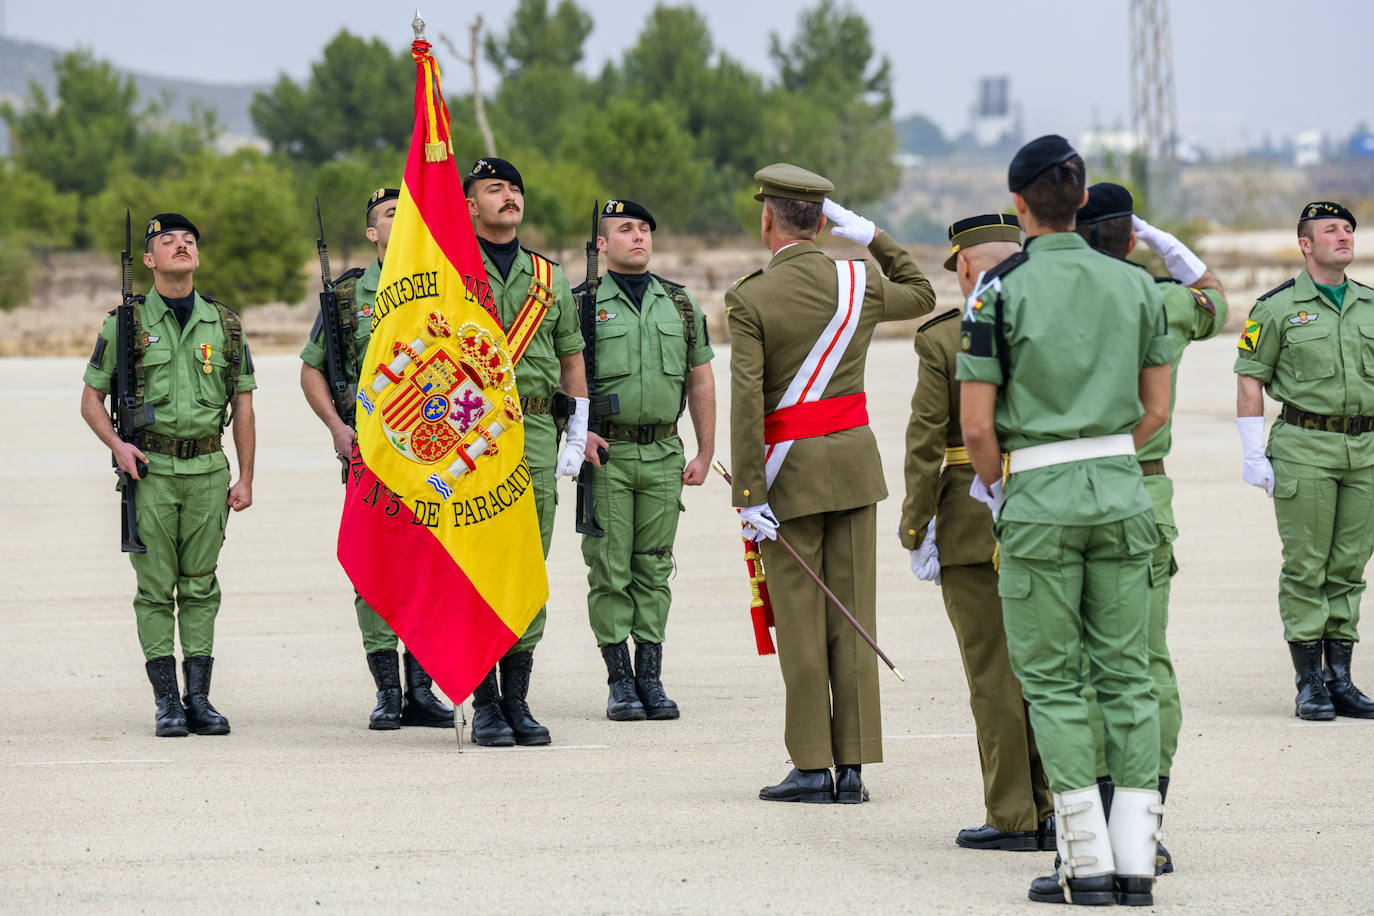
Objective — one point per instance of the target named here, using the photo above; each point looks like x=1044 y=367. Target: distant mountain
x=22 y=61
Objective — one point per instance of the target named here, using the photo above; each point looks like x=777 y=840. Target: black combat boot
x=648 y=682
x=386 y=673
x=171 y=718
x=421 y=706
x=489 y=725
x=1314 y=700
x=1164 y=863
x=201 y=717
x=515 y=687
x=1346 y=698
x=622 y=705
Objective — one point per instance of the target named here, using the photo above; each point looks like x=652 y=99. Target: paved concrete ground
x=302 y=806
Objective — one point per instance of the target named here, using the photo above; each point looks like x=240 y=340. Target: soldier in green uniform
x=806 y=464
x=197 y=374
x=540 y=318
x=653 y=354
x=356 y=292
x=1020 y=814
x=1194 y=310
x=1310 y=343
x=1064 y=356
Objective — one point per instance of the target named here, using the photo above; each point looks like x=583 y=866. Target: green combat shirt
x=1192 y=314
x=641 y=356
x=1078 y=327
x=187 y=402
x=1318 y=358
x=536 y=375
x=364 y=297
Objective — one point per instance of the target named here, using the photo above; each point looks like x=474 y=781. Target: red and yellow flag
x=439 y=532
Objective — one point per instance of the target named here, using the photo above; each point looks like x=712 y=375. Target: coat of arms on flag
x=439 y=530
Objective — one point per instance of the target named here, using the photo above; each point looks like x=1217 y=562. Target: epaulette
x=1165 y=280
x=1282 y=286
x=214 y=301
x=737 y=283
x=351 y=274
x=1358 y=283
x=1005 y=267
x=943 y=316
x=580 y=288
x=541 y=254
x=666 y=282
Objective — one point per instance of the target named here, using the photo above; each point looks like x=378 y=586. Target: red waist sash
x=815 y=418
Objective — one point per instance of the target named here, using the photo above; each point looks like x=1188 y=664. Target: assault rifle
x=128 y=413
x=341 y=391
x=598 y=406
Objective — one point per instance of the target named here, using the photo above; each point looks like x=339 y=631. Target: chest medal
x=205 y=351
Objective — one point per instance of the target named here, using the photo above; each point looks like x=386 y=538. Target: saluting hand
x=848 y=224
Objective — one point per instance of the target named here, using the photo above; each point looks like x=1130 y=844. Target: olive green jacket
x=776 y=315
x=1320 y=359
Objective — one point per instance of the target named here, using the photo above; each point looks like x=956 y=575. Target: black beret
x=1035 y=157
x=493 y=168
x=1106 y=201
x=630 y=210
x=170 y=222
x=989 y=227
x=1325 y=209
x=381 y=195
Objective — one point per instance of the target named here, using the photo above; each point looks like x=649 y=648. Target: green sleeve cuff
x=1162 y=350
x=1246 y=366
x=978 y=369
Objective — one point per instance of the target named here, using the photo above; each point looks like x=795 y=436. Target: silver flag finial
x=418 y=24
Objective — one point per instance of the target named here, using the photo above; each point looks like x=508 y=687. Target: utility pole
x=1154 y=118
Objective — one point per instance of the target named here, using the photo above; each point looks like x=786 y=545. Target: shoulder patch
x=740 y=281
x=1249 y=337
x=99 y=352
x=1278 y=289
x=1005 y=267
x=531 y=251
x=1202 y=301
x=943 y=316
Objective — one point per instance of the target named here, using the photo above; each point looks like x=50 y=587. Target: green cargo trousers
x=1014 y=789
x=638 y=502
x=377 y=633
x=1324 y=518
x=1070 y=592
x=181 y=519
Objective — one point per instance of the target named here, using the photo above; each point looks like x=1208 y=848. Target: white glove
x=848 y=224
x=925 y=560
x=1256 y=471
x=1184 y=266
x=758 y=522
x=573 y=454
x=990 y=496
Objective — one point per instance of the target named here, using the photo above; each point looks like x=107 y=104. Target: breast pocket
x=213 y=390
x=674 y=349
x=1310 y=353
x=612 y=351
x=1367 y=349
x=157 y=375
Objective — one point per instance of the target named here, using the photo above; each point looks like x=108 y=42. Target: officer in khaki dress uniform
x=356 y=292
x=949 y=535
x=653 y=354
x=1064 y=356
x=529 y=290
x=197 y=375
x=806 y=464
x=1194 y=309
x=1309 y=342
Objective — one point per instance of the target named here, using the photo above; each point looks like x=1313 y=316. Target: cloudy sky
x=1244 y=69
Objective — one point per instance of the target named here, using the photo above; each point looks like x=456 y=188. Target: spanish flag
x=439 y=532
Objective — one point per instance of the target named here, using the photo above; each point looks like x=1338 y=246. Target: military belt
x=536 y=405
x=1153 y=467
x=177 y=448
x=1351 y=426
x=643 y=435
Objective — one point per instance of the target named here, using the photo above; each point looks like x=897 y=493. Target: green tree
x=16 y=266
x=538 y=38
x=253 y=238
x=360 y=96
x=36 y=214
x=342 y=186
x=833 y=109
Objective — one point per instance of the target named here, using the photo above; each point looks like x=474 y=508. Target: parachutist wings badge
x=445 y=399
